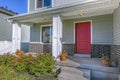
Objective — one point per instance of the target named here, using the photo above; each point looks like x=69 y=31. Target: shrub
x=42 y=64
x=37 y=65
x=21 y=63
x=8 y=73
x=14 y=67
x=6 y=59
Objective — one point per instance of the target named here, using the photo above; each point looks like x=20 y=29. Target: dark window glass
x=39 y=3
x=43 y=3
x=46 y=34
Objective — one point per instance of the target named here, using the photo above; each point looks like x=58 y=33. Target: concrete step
x=97 y=68
x=86 y=73
x=71 y=70
x=69 y=73
x=68 y=63
x=113 y=70
x=70 y=76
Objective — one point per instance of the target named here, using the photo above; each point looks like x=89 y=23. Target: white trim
x=43 y=7
x=35 y=4
x=28 y=6
x=38 y=43
x=50 y=25
x=52 y=3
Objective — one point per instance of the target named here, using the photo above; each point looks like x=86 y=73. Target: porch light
x=81 y=14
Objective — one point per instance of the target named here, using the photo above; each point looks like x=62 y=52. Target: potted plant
x=105 y=60
x=19 y=52
x=63 y=56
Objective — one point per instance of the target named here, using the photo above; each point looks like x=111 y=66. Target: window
x=39 y=3
x=43 y=3
x=47 y=34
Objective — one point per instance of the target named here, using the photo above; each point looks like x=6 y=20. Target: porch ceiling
x=99 y=7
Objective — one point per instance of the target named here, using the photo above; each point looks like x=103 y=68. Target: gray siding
x=25 y=33
x=101 y=29
x=5 y=28
x=116 y=27
x=66 y=2
x=35 y=33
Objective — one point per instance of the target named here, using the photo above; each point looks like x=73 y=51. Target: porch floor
x=91 y=67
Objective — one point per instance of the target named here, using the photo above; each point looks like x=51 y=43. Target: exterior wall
x=31 y=5
x=101 y=34
x=40 y=48
x=35 y=33
x=101 y=29
x=25 y=38
x=5 y=28
x=115 y=53
x=69 y=48
x=56 y=3
x=66 y=2
x=99 y=49
x=5 y=47
x=25 y=33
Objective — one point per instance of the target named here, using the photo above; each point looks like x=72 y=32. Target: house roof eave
x=50 y=11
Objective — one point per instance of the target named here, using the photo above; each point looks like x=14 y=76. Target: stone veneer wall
x=37 y=47
x=69 y=48
x=115 y=54
x=98 y=50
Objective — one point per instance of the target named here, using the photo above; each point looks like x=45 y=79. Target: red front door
x=83 y=38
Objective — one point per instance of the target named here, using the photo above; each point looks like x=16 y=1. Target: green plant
x=24 y=67
x=104 y=57
x=21 y=63
x=105 y=60
x=43 y=63
x=64 y=53
x=8 y=73
x=37 y=65
x=6 y=59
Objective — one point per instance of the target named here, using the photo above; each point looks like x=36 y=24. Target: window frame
x=42 y=5
x=41 y=34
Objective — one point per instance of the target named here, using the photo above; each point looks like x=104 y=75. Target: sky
x=18 y=6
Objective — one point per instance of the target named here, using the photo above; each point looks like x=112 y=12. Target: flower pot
x=63 y=58
x=19 y=53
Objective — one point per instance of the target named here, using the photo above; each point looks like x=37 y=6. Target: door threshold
x=83 y=55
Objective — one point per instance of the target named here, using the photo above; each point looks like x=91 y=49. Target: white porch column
x=57 y=36
x=16 y=36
